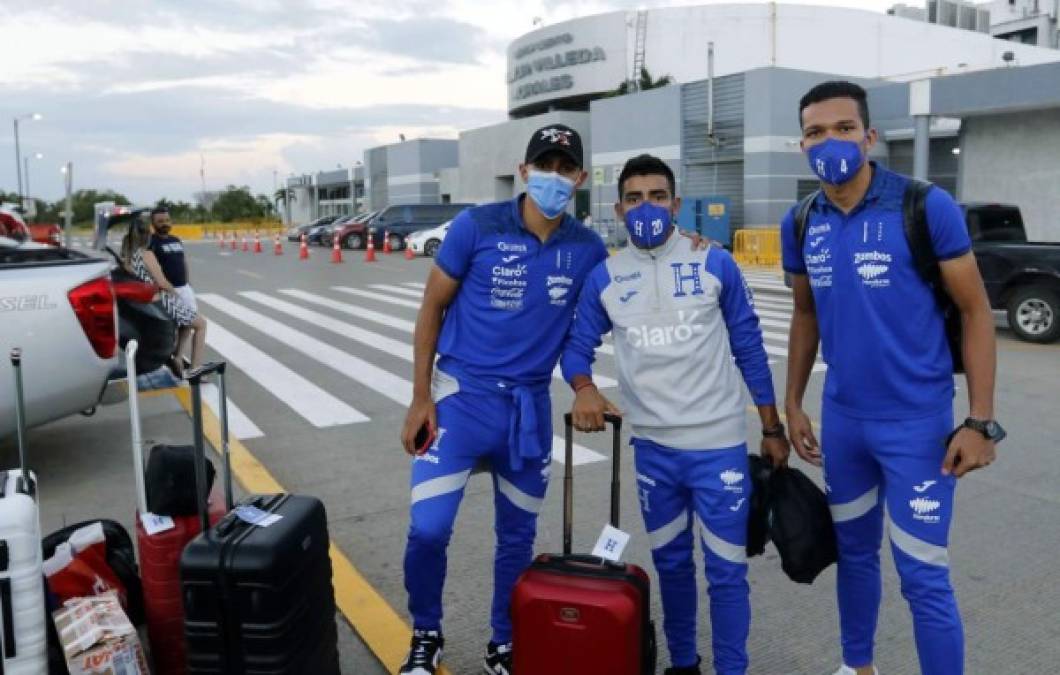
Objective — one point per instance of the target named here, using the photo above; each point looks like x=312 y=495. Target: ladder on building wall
x=639 y=44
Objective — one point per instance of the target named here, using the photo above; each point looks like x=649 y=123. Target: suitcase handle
x=581 y=561
x=20 y=418
x=134 y=421
x=568 y=475
x=195 y=380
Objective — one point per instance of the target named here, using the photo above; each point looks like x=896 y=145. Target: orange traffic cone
x=303 y=250
x=257 y=242
x=277 y=247
x=386 y=242
x=234 y=241
x=246 y=247
x=369 y=253
x=336 y=252
x=409 y=255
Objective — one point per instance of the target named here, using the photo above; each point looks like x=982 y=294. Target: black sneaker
x=684 y=670
x=425 y=653
x=498 y=659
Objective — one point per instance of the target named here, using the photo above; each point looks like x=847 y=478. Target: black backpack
x=918 y=236
x=800 y=525
x=170 y=480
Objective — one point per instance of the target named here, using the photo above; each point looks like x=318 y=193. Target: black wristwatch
x=990 y=429
x=774 y=431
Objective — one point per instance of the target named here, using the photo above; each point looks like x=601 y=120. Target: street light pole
x=18 y=163
x=29 y=193
x=18 y=152
x=68 y=216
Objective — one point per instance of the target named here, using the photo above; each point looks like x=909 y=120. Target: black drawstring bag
x=758 y=515
x=800 y=525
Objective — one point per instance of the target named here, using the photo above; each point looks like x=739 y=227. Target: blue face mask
x=550 y=191
x=648 y=224
x=834 y=161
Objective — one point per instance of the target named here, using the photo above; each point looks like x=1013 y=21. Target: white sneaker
x=847 y=670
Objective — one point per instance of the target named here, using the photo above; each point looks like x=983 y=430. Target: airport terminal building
x=728 y=125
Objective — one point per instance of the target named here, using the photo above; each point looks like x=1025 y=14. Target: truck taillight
x=135 y=291
x=93 y=303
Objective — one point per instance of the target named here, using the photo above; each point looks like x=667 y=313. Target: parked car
x=295 y=233
x=1021 y=277
x=400 y=221
x=351 y=233
x=427 y=242
x=12 y=225
x=313 y=234
x=46 y=233
x=327 y=236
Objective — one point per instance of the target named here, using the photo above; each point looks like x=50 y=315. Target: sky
x=141 y=94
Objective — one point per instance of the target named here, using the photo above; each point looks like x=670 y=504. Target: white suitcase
x=23 y=627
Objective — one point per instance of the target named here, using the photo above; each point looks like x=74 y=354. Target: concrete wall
x=1015 y=158
x=490 y=156
x=626 y=126
x=773 y=162
x=412 y=169
x=375 y=177
x=449 y=184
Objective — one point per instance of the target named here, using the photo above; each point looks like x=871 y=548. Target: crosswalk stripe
x=352 y=310
x=782 y=352
x=317 y=406
x=602 y=381
x=773 y=323
x=378 y=297
x=239 y=425
x=772 y=314
x=383 y=343
x=310 y=346
x=581 y=454
x=774 y=303
x=415 y=284
x=368 y=374
x=398 y=289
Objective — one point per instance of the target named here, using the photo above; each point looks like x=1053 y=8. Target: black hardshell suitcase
x=258 y=600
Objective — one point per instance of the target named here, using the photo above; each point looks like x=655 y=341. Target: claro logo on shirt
x=653 y=337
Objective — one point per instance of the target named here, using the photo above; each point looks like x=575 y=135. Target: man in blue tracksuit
x=496 y=308
x=678 y=318
x=888 y=395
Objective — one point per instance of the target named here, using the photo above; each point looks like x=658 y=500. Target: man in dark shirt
x=168 y=251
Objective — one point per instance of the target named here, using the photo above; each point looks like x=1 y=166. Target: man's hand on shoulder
x=699 y=242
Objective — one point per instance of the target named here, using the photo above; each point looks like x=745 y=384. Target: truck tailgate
x=63 y=374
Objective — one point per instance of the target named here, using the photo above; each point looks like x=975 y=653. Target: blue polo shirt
x=517 y=294
x=882 y=334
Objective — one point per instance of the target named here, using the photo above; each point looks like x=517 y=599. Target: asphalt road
x=320 y=374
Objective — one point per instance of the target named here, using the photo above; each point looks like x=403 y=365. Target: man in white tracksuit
x=678 y=318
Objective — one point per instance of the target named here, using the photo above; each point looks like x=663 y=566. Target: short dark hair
x=646 y=165
x=157 y=211
x=837 y=89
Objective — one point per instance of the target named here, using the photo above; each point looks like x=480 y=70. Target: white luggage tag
x=153 y=523
x=255 y=516
x=611 y=544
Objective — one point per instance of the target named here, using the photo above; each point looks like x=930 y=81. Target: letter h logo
x=680 y=279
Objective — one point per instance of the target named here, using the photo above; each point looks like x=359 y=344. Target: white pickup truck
x=59 y=306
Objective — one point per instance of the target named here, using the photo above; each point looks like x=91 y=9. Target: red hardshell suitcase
x=579 y=614
x=160 y=553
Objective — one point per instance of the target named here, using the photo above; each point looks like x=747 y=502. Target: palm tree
x=642 y=83
x=283 y=195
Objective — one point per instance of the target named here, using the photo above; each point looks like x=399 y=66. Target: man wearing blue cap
x=679 y=317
